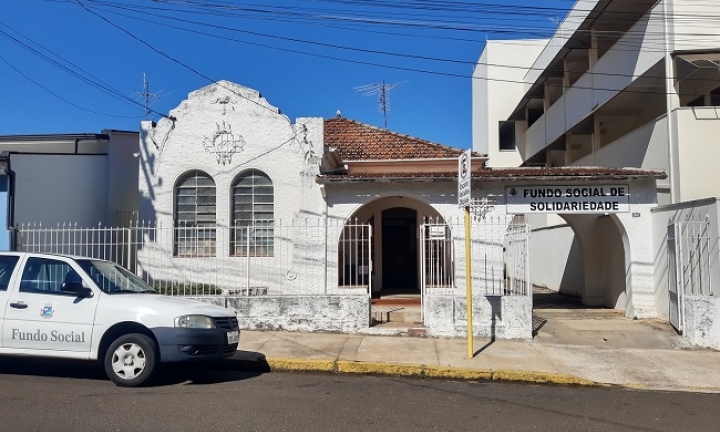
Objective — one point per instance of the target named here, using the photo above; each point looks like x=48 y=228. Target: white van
x=83 y=308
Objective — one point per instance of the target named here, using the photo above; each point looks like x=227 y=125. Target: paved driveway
x=564 y=320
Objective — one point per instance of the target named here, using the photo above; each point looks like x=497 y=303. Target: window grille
x=195 y=215
x=253 y=213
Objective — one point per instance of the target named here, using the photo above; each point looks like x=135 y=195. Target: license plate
x=233 y=337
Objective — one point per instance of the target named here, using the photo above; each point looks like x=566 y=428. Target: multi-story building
x=619 y=84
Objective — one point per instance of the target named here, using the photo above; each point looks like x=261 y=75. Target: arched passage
x=585 y=258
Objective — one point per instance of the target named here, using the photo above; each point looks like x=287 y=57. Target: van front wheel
x=130 y=360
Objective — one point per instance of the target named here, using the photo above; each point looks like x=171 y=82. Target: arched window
x=252 y=215
x=195 y=215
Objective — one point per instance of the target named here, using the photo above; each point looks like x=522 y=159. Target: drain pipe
x=674 y=193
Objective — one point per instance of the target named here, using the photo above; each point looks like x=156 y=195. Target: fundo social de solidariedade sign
x=567 y=199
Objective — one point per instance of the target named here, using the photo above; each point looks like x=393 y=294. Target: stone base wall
x=493 y=317
x=344 y=314
x=445 y=316
x=702 y=321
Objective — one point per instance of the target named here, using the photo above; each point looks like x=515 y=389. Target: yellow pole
x=468 y=283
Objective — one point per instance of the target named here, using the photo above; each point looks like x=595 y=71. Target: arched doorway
x=395 y=252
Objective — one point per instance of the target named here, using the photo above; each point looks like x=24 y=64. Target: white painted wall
x=645 y=147
x=556 y=260
x=698 y=152
x=703 y=26
x=497 y=87
x=122 y=170
x=57 y=189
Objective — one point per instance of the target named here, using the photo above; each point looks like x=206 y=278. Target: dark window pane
x=195 y=206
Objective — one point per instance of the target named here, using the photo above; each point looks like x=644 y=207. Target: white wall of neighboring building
x=698 y=150
x=78 y=179
x=561 y=270
x=60 y=189
x=122 y=170
x=645 y=147
x=697 y=18
x=498 y=83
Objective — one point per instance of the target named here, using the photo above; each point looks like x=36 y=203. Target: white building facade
x=619 y=84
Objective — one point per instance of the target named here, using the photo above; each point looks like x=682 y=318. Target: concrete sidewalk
x=583 y=351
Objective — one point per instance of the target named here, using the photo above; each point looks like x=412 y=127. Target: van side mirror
x=76 y=288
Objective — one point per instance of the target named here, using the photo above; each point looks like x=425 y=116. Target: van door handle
x=18 y=305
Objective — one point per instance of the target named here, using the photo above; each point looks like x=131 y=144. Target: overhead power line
x=333 y=46
x=412 y=17
x=67 y=67
x=362 y=62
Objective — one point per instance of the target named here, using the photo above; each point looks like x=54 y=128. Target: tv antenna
x=383 y=92
x=146 y=95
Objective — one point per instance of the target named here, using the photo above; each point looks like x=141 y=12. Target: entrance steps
x=396 y=329
x=397 y=315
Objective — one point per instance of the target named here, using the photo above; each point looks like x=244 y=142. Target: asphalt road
x=42 y=395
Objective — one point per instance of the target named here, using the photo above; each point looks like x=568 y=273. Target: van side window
x=7 y=265
x=43 y=275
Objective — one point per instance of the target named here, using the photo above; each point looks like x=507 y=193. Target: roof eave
x=490 y=176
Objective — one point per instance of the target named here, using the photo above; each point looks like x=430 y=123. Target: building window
x=507 y=136
x=195 y=215
x=253 y=213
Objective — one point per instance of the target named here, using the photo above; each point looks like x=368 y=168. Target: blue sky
x=69 y=66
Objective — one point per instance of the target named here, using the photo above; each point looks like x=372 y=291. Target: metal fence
x=500 y=254
x=306 y=257
x=302 y=257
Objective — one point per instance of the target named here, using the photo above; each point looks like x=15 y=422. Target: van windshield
x=113 y=278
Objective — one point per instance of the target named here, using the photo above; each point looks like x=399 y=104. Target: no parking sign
x=464 y=178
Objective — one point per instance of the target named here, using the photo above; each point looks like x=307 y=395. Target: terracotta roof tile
x=356 y=141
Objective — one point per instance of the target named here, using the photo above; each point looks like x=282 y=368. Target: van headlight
x=195 y=322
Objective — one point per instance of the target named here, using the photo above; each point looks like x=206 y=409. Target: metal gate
x=500 y=257
x=674 y=288
x=688 y=246
x=516 y=249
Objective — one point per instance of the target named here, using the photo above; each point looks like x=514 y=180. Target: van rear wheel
x=131 y=359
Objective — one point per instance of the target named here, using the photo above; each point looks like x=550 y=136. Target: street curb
x=279 y=364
